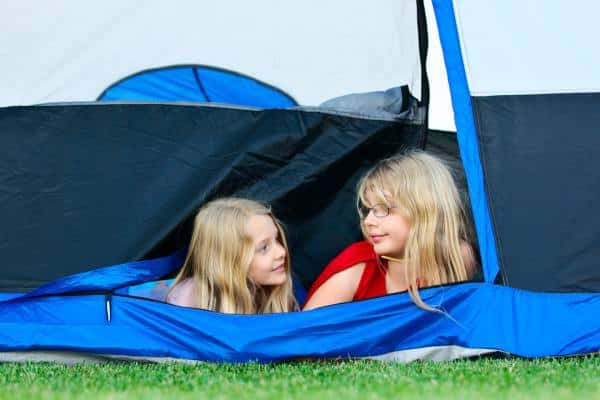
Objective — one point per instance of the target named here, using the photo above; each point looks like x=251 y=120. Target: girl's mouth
x=377 y=238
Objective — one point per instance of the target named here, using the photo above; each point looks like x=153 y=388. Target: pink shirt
x=183 y=294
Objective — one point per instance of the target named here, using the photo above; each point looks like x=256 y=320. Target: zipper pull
x=108 y=304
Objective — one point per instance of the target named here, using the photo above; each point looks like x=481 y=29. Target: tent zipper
x=108 y=306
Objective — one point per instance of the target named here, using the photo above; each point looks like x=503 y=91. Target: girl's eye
x=363 y=210
x=263 y=248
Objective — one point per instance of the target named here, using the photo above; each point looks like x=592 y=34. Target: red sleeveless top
x=372 y=280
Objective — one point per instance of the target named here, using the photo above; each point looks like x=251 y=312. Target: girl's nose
x=370 y=219
x=281 y=251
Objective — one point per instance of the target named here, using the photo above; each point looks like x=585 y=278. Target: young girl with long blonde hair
x=416 y=233
x=237 y=261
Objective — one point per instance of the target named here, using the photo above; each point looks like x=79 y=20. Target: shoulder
x=339 y=287
x=182 y=294
x=358 y=252
x=339 y=280
x=347 y=280
x=350 y=274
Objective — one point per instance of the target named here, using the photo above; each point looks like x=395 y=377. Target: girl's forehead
x=260 y=227
x=374 y=195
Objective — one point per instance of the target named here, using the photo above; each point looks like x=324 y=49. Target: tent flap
x=120 y=182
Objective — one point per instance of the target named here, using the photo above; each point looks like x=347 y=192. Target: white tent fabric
x=546 y=47
x=69 y=50
x=441 y=115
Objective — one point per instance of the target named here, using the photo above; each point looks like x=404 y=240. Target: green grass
x=567 y=378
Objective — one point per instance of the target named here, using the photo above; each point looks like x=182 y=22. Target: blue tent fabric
x=197 y=84
x=114 y=277
x=132 y=278
x=467 y=136
x=476 y=315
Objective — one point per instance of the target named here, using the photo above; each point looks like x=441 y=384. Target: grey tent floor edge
x=431 y=353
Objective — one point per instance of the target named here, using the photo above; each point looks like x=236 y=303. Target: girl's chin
x=382 y=249
x=276 y=281
x=386 y=251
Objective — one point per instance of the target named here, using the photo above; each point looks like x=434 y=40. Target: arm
x=182 y=294
x=340 y=288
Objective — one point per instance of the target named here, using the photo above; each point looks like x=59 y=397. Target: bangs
x=378 y=186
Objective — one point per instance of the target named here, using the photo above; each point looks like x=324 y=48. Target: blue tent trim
x=467 y=135
x=197 y=83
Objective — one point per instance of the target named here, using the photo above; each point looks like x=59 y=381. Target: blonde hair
x=219 y=258
x=422 y=188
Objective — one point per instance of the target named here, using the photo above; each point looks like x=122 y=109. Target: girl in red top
x=416 y=235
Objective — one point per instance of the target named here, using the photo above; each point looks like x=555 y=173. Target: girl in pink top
x=237 y=262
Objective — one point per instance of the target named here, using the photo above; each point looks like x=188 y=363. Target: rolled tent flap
x=477 y=318
x=108 y=279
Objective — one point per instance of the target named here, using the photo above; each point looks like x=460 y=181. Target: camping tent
x=93 y=183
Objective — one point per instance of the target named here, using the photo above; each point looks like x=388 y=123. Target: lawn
x=567 y=378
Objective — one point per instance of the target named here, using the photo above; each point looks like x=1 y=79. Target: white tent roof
x=69 y=50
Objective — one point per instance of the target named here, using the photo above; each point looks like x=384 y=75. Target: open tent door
x=100 y=183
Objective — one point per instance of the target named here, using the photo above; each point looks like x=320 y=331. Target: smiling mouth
x=377 y=238
x=279 y=268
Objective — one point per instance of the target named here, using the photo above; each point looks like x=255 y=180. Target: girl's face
x=268 y=264
x=388 y=233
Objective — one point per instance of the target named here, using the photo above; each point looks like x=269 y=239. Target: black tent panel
x=83 y=186
x=540 y=159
